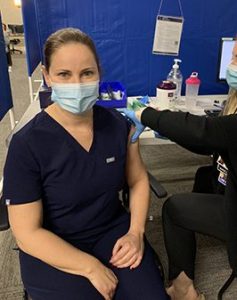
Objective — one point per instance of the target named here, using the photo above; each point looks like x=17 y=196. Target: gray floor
x=172 y=165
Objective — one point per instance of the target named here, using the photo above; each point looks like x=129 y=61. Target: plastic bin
x=112 y=94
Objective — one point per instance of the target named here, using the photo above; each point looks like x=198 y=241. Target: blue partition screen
x=5 y=89
x=123 y=32
x=31 y=32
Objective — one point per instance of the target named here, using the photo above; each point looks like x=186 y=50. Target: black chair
x=13 y=43
x=226 y=286
x=16 y=29
x=4 y=224
x=19 y=29
x=155 y=186
x=159 y=192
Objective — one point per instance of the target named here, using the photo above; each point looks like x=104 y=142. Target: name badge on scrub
x=110 y=159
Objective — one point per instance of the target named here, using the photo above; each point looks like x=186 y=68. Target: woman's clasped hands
x=128 y=251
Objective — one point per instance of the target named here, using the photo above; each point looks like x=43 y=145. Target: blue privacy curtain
x=5 y=89
x=123 y=31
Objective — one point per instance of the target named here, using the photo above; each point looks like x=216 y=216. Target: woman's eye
x=88 y=73
x=63 y=74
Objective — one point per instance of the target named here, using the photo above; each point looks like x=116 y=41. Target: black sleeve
x=22 y=181
x=123 y=120
x=199 y=134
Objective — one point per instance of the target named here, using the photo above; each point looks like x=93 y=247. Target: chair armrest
x=156 y=187
x=4 y=224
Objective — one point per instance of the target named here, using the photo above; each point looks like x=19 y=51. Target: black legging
x=183 y=215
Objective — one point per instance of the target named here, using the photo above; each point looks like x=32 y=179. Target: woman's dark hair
x=65 y=36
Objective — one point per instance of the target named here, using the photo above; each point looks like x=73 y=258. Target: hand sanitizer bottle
x=176 y=76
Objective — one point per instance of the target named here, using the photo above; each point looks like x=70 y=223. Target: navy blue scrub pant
x=44 y=282
x=183 y=215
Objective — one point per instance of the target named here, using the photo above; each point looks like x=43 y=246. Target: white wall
x=10 y=13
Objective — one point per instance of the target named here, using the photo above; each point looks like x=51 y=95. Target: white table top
x=148 y=136
x=203 y=102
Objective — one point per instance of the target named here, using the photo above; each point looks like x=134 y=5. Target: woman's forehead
x=72 y=53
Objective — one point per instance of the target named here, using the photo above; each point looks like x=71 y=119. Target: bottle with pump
x=176 y=76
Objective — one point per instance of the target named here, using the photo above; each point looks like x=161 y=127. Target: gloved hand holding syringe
x=130 y=112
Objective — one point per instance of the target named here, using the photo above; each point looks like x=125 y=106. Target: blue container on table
x=112 y=94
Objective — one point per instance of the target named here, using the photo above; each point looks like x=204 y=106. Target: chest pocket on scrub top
x=112 y=170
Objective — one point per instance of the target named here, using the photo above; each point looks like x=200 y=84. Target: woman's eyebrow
x=88 y=68
x=62 y=70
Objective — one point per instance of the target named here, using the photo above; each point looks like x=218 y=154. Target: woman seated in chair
x=62 y=178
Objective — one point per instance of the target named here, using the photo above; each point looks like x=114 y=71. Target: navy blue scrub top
x=79 y=189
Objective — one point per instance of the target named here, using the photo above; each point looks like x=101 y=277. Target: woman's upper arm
x=135 y=169
x=25 y=218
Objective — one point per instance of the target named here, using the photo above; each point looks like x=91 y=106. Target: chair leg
x=225 y=286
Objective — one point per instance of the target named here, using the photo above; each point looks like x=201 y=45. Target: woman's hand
x=103 y=279
x=128 y=251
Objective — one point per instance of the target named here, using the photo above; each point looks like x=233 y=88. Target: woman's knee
x=172 y=206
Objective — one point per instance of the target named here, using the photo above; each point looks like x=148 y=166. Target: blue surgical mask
x=231 y=76
x=75 y=97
